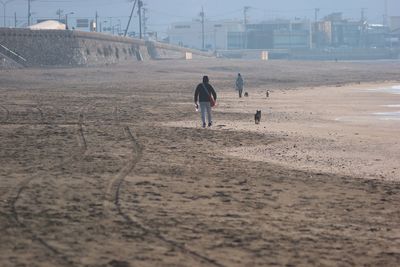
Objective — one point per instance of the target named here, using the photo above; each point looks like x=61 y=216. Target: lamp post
x=4 y=3
x=66 y=19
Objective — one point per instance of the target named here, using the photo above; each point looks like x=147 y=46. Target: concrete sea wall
x=75 y=48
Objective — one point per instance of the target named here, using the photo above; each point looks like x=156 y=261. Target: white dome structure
x=48 y=25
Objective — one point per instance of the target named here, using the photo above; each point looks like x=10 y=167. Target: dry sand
x=109 y=167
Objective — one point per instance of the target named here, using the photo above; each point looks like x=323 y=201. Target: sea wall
x=345 y=54
x=76 y=48
x=7 y=63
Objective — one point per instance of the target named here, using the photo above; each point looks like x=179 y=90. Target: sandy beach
x=110 y=167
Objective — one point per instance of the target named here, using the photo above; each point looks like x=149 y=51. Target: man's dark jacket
x=201 y=95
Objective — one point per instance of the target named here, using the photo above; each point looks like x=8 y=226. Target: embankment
x=74 y=48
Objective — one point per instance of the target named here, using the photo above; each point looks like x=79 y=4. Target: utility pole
x=66 y=20
x=316 y=14
x=4 y=3
x=59 y=13
x=145 y=18
x=362 y=31
x=15 y=19
x=245 y=21
x=140 y=5
x=29 y=12
x=96 y=19
x=310 y=39
x=245 y=17
x=386 y=16
x=202 y=28
x=362 y=15
x=119 y=27
x=314 y=30
x=4 y=14
x=130 y=18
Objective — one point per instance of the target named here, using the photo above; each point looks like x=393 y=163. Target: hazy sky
x=163 y=12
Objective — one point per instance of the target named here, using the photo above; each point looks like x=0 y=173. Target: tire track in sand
x=61 y=258
x=7 y=116
x=113 y=194
x=81 y=135
x=41 y=114
x=14 y=216
x=30 y=110
x=36 y=111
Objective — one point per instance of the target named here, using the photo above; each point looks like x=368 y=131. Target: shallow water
x=392 y=106
x=388 y=115
x=391 y=90
x=393 y=115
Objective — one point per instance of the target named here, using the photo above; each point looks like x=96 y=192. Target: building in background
x=278 y=34
x=233 y=35
x=334 y=31
x=82 y=24
x=190 y=34
x=394 y=38
x=394 y=23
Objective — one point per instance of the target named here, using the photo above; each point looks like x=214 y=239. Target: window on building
x=235 y=40
x=182 y=27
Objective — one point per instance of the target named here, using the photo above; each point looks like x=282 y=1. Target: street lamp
x=4 y=3
x=66 y=19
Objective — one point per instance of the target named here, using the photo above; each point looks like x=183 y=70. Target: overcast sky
x=161 y=13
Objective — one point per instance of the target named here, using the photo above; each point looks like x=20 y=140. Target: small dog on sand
x=257 y=117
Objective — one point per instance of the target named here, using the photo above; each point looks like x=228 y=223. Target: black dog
x=257 y=117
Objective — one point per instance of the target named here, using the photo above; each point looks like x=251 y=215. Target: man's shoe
x=209 y=124
x=204 y=125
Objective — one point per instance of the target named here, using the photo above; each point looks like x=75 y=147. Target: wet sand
x=347 y=130
x=109 y=167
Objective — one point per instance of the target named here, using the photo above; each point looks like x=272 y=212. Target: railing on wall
x=12 y=55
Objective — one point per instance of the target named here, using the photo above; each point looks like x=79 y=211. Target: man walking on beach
x=204 y=91
x=239 y=84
